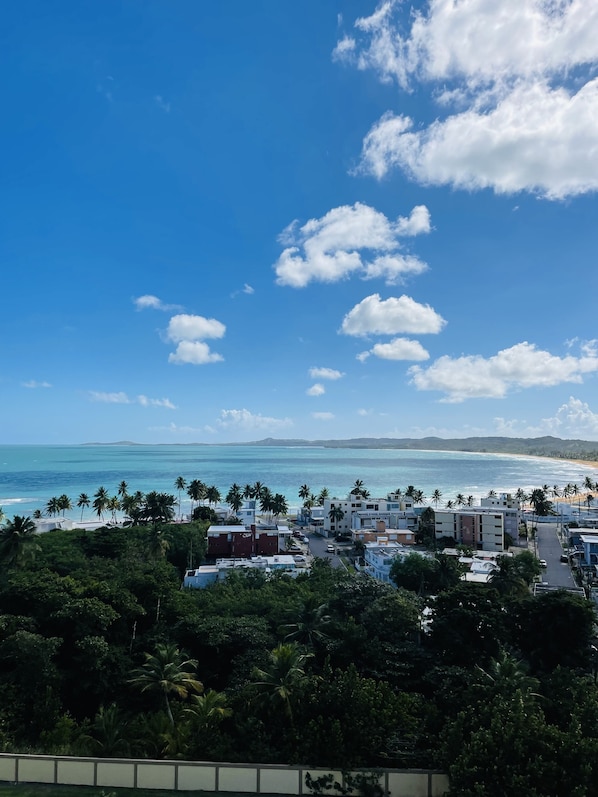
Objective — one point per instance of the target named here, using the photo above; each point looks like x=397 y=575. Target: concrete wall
x=200 y=775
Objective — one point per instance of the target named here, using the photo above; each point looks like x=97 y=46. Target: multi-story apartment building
x=358 y=513
x=479 y=528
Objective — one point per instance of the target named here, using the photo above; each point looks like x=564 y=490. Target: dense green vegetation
x=103 y=653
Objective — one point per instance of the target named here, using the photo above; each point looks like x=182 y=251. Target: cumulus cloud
x=149 y=302
x=186 y=327
x=325 y=373
x=516 y=87
x=193 y=353
x=122 y=398
x=391 y=316
x=33 y=385
x=552 y=153
x=189 y=332
x=349 y=240
x=397 y=349
x=521 y=366
x=322 y=416
x=574 y=419
x=244 y=419
x=316 y=390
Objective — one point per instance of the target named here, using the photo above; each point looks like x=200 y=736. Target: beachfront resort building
x=354 y=513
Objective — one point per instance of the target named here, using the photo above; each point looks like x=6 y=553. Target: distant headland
x=547 y=446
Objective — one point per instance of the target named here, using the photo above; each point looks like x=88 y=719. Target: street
x=557 y=573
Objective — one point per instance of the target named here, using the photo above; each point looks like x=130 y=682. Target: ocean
x=31 y=475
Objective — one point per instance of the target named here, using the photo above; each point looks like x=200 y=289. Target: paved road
x=557 y=573
x=317 y=547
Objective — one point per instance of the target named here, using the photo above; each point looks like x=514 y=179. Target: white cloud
x=397 y=349
x=186 y=328
x=322 y=416
x=521 y=366
x=536 y=139
x=32 y=384
x=515 y=80
x=149 y=302
x=122 y=398
x=325 y=373
x=109 y=398
x=150 y=402
x=243 y=419
x=316 y=390
x=248 y=289
x=349 y=240
x=572 y=419
x=161 y=103
x=391 y=316
x=479 y=40
x=193 y=353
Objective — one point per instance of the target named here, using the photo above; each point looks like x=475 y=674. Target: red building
x=242 y=542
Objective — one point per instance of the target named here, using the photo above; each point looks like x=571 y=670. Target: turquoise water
x=31 y=475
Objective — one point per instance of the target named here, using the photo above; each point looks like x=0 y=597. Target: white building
x=358 y=513
x=203 y=576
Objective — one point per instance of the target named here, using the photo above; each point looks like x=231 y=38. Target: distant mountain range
x=547 y=446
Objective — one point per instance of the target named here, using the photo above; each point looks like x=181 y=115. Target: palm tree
x=248 y=491
x=196 y=492
x=309 y=626
x=18 y=542
x=470 y=500
x=113 y=505
x=213 y=496
x=158 y=507
x=234 y=498
x=588 y=484
x=336 y=514
x=123 y=488
x=279 y=505
x=180 y=484
x=208 y=710
x=83 y=502
x=52 y=507
x=322 y=496
x=459 y=499
x=491 y=493
x=64 y=503
x=168 y=672
x=436 y=496
x=506 y=578
x=131 y=506
x=357 y=489
x=100 y=501
x=266 y=500
x=257 y=490
x=277 y=683
x=304 y=492
x=449 y=504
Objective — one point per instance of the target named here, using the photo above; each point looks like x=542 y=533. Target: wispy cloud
x=325 y=373
x=323 y=416
x=33 y=385
x=122 y=398
x=246 y=420
x=161 y=103
x=149 y=302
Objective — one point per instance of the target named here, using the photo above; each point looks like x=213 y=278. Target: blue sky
x=227 y=221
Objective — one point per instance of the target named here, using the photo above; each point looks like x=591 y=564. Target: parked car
x=330 y=548
x=543 y=564
x=564 y=558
